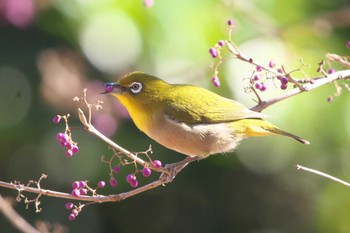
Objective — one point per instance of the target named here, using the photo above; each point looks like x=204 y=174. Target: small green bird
x=189 y=119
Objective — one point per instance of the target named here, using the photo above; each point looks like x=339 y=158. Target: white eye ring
x=135 y=87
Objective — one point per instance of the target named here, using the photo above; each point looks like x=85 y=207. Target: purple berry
x=157 y=163
x=69 y=153
x=130 y=178
x=134 y=183
x=213 y=52
x=116 y=169
x=256 y=77
x=76 y=184
x=230 y=22
x=284 y=86
x=56 y=119
x=76 y=192
x=272 y=63
x=75 y=149
x=215 y=80
x=113 y=182
x=101 y=184
x=348 y=44
x=75 y=212
x=146 y=172
x=263 y=87
x=82 y=183
x=331 y=71
x=284 y=80
x=72 y=217
x=69 y=205
x=259 y=68
x=258 y=86
x=108 y=88
x=221 y=43
x=83 y=191
x=330 y=99
x=62 y=137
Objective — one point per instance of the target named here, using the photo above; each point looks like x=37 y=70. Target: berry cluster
x=65 y=139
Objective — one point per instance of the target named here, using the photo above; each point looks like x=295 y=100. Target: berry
x=213 y=52
x=215 y=80
x=113 y=182
x=284 y=80
x=75 y=149
x=259 y=68
x=108 y=88
x=348 y=44
x=130 y=178
x=83 y=191
x=134 y=183
x=263 y=87
x=258 y=86
x=69 y=153
x=82 y=183
x=62 y=137
x=56 y=119
x=116 y=169
x=76 y=184
x=221 y=43
x=330 y=99
x=76 y=192
x=256 y=77
x=272 y=63
x=157 y=163
x=75 y=212
x=284 y=86
x=72 y=217
x=146 y=172
x=230 y=22
x=331 y=71
x=101 y=184
x=69 y=205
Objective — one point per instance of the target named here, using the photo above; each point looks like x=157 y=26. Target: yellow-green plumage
x=189 y=119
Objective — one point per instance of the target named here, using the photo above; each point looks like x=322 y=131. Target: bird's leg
x=175 y=168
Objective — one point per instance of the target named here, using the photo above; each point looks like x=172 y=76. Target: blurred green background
x=50 y=50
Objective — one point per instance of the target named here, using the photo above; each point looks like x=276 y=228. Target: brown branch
x=317 y=82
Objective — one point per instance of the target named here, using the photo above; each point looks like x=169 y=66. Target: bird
x=189 y=119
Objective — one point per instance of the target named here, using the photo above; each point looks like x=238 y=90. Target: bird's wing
x=194 y=105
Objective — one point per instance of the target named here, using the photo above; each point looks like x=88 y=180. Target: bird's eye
x=135 y=87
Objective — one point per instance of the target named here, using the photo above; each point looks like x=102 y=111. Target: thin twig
x=299 y=167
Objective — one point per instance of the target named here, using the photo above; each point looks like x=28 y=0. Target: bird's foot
x=174 y=168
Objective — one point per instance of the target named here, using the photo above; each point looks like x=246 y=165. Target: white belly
x=198 y=140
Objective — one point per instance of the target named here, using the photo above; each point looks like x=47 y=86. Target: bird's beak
x=113 y=88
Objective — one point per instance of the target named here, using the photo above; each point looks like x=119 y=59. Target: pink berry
x=72 y=217
x=108 y=88
x=216 y=82
x=56 y=119
x=69 y=205
x=101 y=184
x=256 y=77
x=157 y=163
x=62 y=137
x=69 y=153
x=213 y=52
x=116 y=169
x=259 y=68
x=134 y=183
x=348 y=44
x=146 y=172
x=272 y=63
x=76 y=184
x=130 y=178
x=76 y=192
x=113 y=182
x=263 y=87
x=258 y=86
